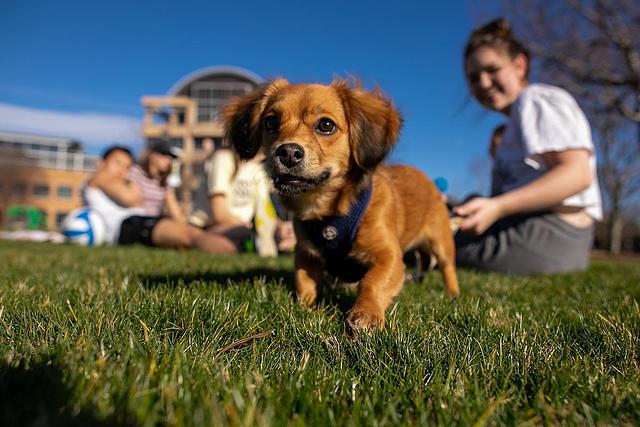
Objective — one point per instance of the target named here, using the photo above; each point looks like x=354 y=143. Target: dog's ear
x=374 y=123
x=242 y=115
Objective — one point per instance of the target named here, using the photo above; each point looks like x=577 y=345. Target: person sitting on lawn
x=150 y=173
x=120 y=202
x=241 y=205
x=540 y=218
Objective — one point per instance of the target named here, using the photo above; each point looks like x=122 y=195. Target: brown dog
x=323 y=145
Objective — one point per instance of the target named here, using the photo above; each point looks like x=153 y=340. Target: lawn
x=144 y=337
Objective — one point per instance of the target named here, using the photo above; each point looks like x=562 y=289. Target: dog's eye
x=271 y=124
x=326 y=126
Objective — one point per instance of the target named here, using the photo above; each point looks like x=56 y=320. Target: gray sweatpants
x=524 y=245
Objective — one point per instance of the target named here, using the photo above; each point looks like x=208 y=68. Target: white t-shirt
x=247 y=190
x=544 y=119
x=112 y=213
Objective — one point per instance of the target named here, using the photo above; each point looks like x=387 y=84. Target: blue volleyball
x=84 y=226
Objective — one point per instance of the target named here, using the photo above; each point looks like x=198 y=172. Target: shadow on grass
x=328 y=295
x=36 y=396
x=220 y=278
x=335 y=295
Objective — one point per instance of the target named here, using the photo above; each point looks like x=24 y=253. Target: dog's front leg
x=308 y=276
x=377 y=288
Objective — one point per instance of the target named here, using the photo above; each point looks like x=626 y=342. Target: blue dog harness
x=333 y=236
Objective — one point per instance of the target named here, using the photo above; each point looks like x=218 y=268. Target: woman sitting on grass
x=241 y=205
x=121 y=203
x=150 y=175
x=540 y=219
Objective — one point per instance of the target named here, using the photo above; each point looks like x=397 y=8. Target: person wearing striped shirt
x=121 y=201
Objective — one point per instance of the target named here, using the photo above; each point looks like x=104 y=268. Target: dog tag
x=329 y=232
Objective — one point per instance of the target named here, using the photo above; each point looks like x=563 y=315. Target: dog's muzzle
x=289 y=155
x=289 y=184
x=287 y=169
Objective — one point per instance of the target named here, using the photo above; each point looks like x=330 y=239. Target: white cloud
x=94 y=130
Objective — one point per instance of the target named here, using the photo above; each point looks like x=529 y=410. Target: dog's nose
x=290 y=154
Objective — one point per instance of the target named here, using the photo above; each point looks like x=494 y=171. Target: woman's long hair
x=144 y=163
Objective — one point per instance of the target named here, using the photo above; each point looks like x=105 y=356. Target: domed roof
x=214 y=73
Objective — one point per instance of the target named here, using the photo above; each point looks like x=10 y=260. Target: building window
x=211 y=97
x=19 y=189
x=65 y=192
x=41 y=190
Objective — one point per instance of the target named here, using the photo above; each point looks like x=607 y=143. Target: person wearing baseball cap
x=133 y=201
x=162 y=146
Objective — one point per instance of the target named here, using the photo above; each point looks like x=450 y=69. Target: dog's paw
x=306 y=299
x=362 y=320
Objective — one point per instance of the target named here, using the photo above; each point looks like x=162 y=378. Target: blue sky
x=68 y=65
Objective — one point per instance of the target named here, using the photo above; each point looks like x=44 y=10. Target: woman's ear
x=521 y=63
x=374 y=124
x=242 y=118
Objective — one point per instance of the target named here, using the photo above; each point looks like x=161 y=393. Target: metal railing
x=60 y=160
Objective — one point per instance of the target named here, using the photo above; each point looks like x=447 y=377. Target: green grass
x=132 y=336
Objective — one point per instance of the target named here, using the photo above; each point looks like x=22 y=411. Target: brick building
x=42 y=175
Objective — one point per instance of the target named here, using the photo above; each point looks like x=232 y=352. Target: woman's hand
x=479 y=214
x=285 y=236
x=568 y=174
